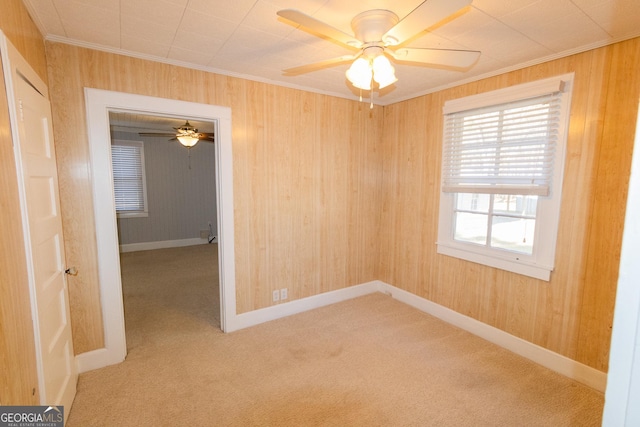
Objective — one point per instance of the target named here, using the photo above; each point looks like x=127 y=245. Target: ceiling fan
x=186 y=134
x=379 y=34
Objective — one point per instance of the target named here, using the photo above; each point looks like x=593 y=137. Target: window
x=127 y=158
x=502 y=167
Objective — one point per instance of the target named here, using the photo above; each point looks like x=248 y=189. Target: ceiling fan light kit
x=360 y=74
x=372 y=65
x=186 y=134
x=378 y=35
x=383 y=72
x=188 y=140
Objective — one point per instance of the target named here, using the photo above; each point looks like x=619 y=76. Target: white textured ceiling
x=246 y=38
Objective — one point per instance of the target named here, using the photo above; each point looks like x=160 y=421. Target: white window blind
x=127 y=158
x=507 y=148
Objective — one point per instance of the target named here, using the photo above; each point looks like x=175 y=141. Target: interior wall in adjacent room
x=181 y=192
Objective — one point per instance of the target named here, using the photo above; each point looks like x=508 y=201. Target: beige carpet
x=371 y=361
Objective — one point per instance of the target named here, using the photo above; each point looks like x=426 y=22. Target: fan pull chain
x=189 y=156
x=371 y=93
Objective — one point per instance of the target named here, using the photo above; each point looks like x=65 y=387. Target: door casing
x=98 y=105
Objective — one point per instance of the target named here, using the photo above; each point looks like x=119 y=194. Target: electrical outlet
x=276 y=296
x=284 y=293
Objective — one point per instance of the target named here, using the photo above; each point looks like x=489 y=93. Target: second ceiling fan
x=378 y=36
x=186 y=134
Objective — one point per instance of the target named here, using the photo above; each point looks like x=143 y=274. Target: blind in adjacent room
x=128 y=177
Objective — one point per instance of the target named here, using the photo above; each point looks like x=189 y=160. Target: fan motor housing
x=371 y=25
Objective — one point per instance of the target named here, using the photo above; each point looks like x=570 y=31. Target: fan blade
x=443 y=57
x=319 y=27
x=422 y=17
x=156 y=134
x=318 y=65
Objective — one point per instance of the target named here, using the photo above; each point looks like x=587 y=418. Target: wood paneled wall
x=306 y=179
x=329 y=194
x=18 y=26
x=19 y=378
x=572 y=314
x=325 y=199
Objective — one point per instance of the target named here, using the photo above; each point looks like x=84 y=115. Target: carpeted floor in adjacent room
x=370 y=361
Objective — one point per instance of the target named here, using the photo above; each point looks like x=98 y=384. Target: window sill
x=508 y=262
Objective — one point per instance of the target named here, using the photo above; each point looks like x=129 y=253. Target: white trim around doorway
x=98 y=105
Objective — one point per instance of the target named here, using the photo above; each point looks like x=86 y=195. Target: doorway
x=99 y=103
x=167 y=229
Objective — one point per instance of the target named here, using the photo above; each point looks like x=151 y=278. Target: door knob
x=72 y=271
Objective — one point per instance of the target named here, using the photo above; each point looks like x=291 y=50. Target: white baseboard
x=554 y=361
x=540 y=355
x=146 y=246
x=252 y=318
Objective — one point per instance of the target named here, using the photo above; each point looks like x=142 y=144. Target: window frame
x=541 y=262
x=491 y=213
x=132 y=214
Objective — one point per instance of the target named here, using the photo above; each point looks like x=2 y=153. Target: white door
x=36 y=164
